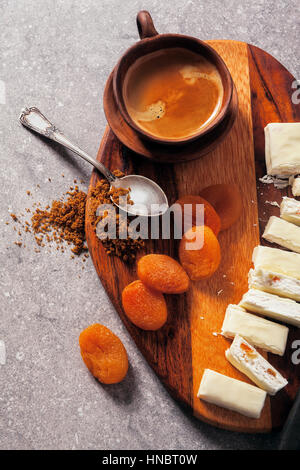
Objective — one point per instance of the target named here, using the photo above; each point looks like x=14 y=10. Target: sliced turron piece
x=290 y=210
x=232 y=394
x=265 y=334
x=247 y=360
x=275 y=283
x=272 y=306
x=277 y=260
x=283 y=233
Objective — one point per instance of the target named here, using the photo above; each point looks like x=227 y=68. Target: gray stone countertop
x=57 y=55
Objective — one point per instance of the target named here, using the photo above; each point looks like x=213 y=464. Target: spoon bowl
x=148 y=198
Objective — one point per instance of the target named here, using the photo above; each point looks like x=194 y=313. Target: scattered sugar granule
x=201 y=318
x=219 y=291
x=272 y=203
x=2 y=353
x=215 y=333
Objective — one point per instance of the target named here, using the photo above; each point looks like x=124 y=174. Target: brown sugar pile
x=100 y=194
x=62 y=221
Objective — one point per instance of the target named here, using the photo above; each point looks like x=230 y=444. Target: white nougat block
x=283 y=233
x=262 y=333
x=296 y=187
x=282 y=148
x=290 y=210
x=247 y=360
x=272 y=306
x=232 y=394
x=277 y=260
x=275 y=283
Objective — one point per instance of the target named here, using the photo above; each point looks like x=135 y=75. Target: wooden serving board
x=186 y=345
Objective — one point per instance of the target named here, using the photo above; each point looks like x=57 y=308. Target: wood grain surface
x=188 y=343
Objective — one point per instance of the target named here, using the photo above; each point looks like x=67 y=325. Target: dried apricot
x=163 y=273
x=189 y=208
x=145 y=307
x=226 y=199
x=103 y=353
x=204 y=259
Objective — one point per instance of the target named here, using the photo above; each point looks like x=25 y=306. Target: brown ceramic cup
x=150 y=42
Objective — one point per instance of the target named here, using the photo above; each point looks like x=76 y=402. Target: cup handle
x=145 y=25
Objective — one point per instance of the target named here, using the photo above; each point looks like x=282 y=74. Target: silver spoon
x=148 y=198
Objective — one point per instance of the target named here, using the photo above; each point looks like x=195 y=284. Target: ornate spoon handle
x=36 y=121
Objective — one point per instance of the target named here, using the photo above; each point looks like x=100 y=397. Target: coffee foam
x=191 y=73
x=153 y=111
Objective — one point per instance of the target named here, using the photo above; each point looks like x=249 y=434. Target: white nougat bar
x=272 y=306
x=275 y=283
x=282 y=148
x=290 y=210
x=296 y=187
x=232 y=394
x=262 y=333
x=283 y=233
x=246 y=359
x=277 y=260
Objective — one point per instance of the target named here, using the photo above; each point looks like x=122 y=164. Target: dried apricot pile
x=163 y=273
x=199 y=252
x=145 y=307
x=103 y=353
x=190 y=208
x=226 y=200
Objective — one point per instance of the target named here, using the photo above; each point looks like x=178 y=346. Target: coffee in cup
x=172 y=93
